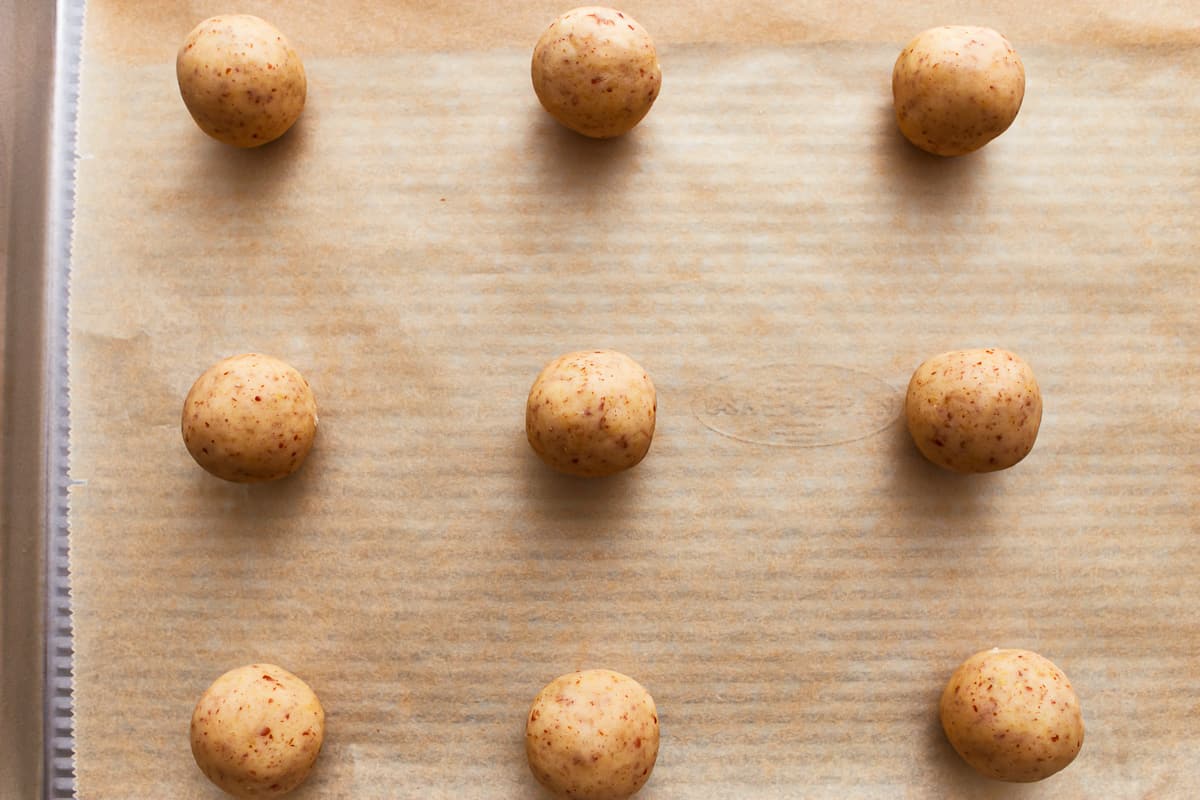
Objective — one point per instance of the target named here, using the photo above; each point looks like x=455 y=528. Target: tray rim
x=29 y=75
x=58 y=704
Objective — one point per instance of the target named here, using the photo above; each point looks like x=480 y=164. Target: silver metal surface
x=58 y=744
x=36 y=117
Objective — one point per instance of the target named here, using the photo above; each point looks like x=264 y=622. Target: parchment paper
x=784 y=572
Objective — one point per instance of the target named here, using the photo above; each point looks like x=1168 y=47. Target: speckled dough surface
x=591 y=413
x=1012 y=715
x=596 y=71
x=250 y=418
x=974 y=410
x=241 y=80
x=592 y=735
x=257 y=731
x=956 y=88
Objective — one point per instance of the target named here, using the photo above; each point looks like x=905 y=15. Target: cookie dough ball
x=591 y=413
x=241 y=80
x=1012 y=715
x=257 y=731
x=974 y=410
x=250 y=418
x=956 y=88
x=596 y=71
x=592 y=735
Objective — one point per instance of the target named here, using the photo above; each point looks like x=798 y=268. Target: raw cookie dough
x=250 y=418
x=257 y=731
x=591 y=413
x=592 y=735
x=596 y=71
x=974 y=410
x=956 y=88
x=241 y=80
x=1012 y=715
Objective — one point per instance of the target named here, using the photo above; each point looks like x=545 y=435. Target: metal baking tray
x=39 y=69
x=40 y=45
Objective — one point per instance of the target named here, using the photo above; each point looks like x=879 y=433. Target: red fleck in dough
x=592 y=735
x=591 y=413
x=974 y=410
x=1012 y=715
x=596 y=71
x=957 y=87
x=257 y=731
x=250 y=418
x=241 y=80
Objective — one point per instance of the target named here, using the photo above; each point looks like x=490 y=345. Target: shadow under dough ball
x=257 y=731
x=241 y=80
x=956 y=88
x=974 y=410
x=591 y=413
x=596 y=71
x=250 y=418
x=1012 y=715
x=592 y=735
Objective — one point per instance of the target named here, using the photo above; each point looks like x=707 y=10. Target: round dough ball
x=592 y=735
x=596 y=71
x=241 y=80
x=1012 y=715
x=974 y=410
x=956 y=88
x=591 y=413
x=257 y=731
x=250 y=418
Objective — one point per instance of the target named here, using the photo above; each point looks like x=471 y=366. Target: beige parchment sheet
x=788 y=577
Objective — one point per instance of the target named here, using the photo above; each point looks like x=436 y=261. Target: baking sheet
x=788 y=577
x=39 y=56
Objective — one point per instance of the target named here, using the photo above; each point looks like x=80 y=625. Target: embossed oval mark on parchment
x=797 y=405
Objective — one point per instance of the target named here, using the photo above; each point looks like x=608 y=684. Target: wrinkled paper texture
x=784 y=572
